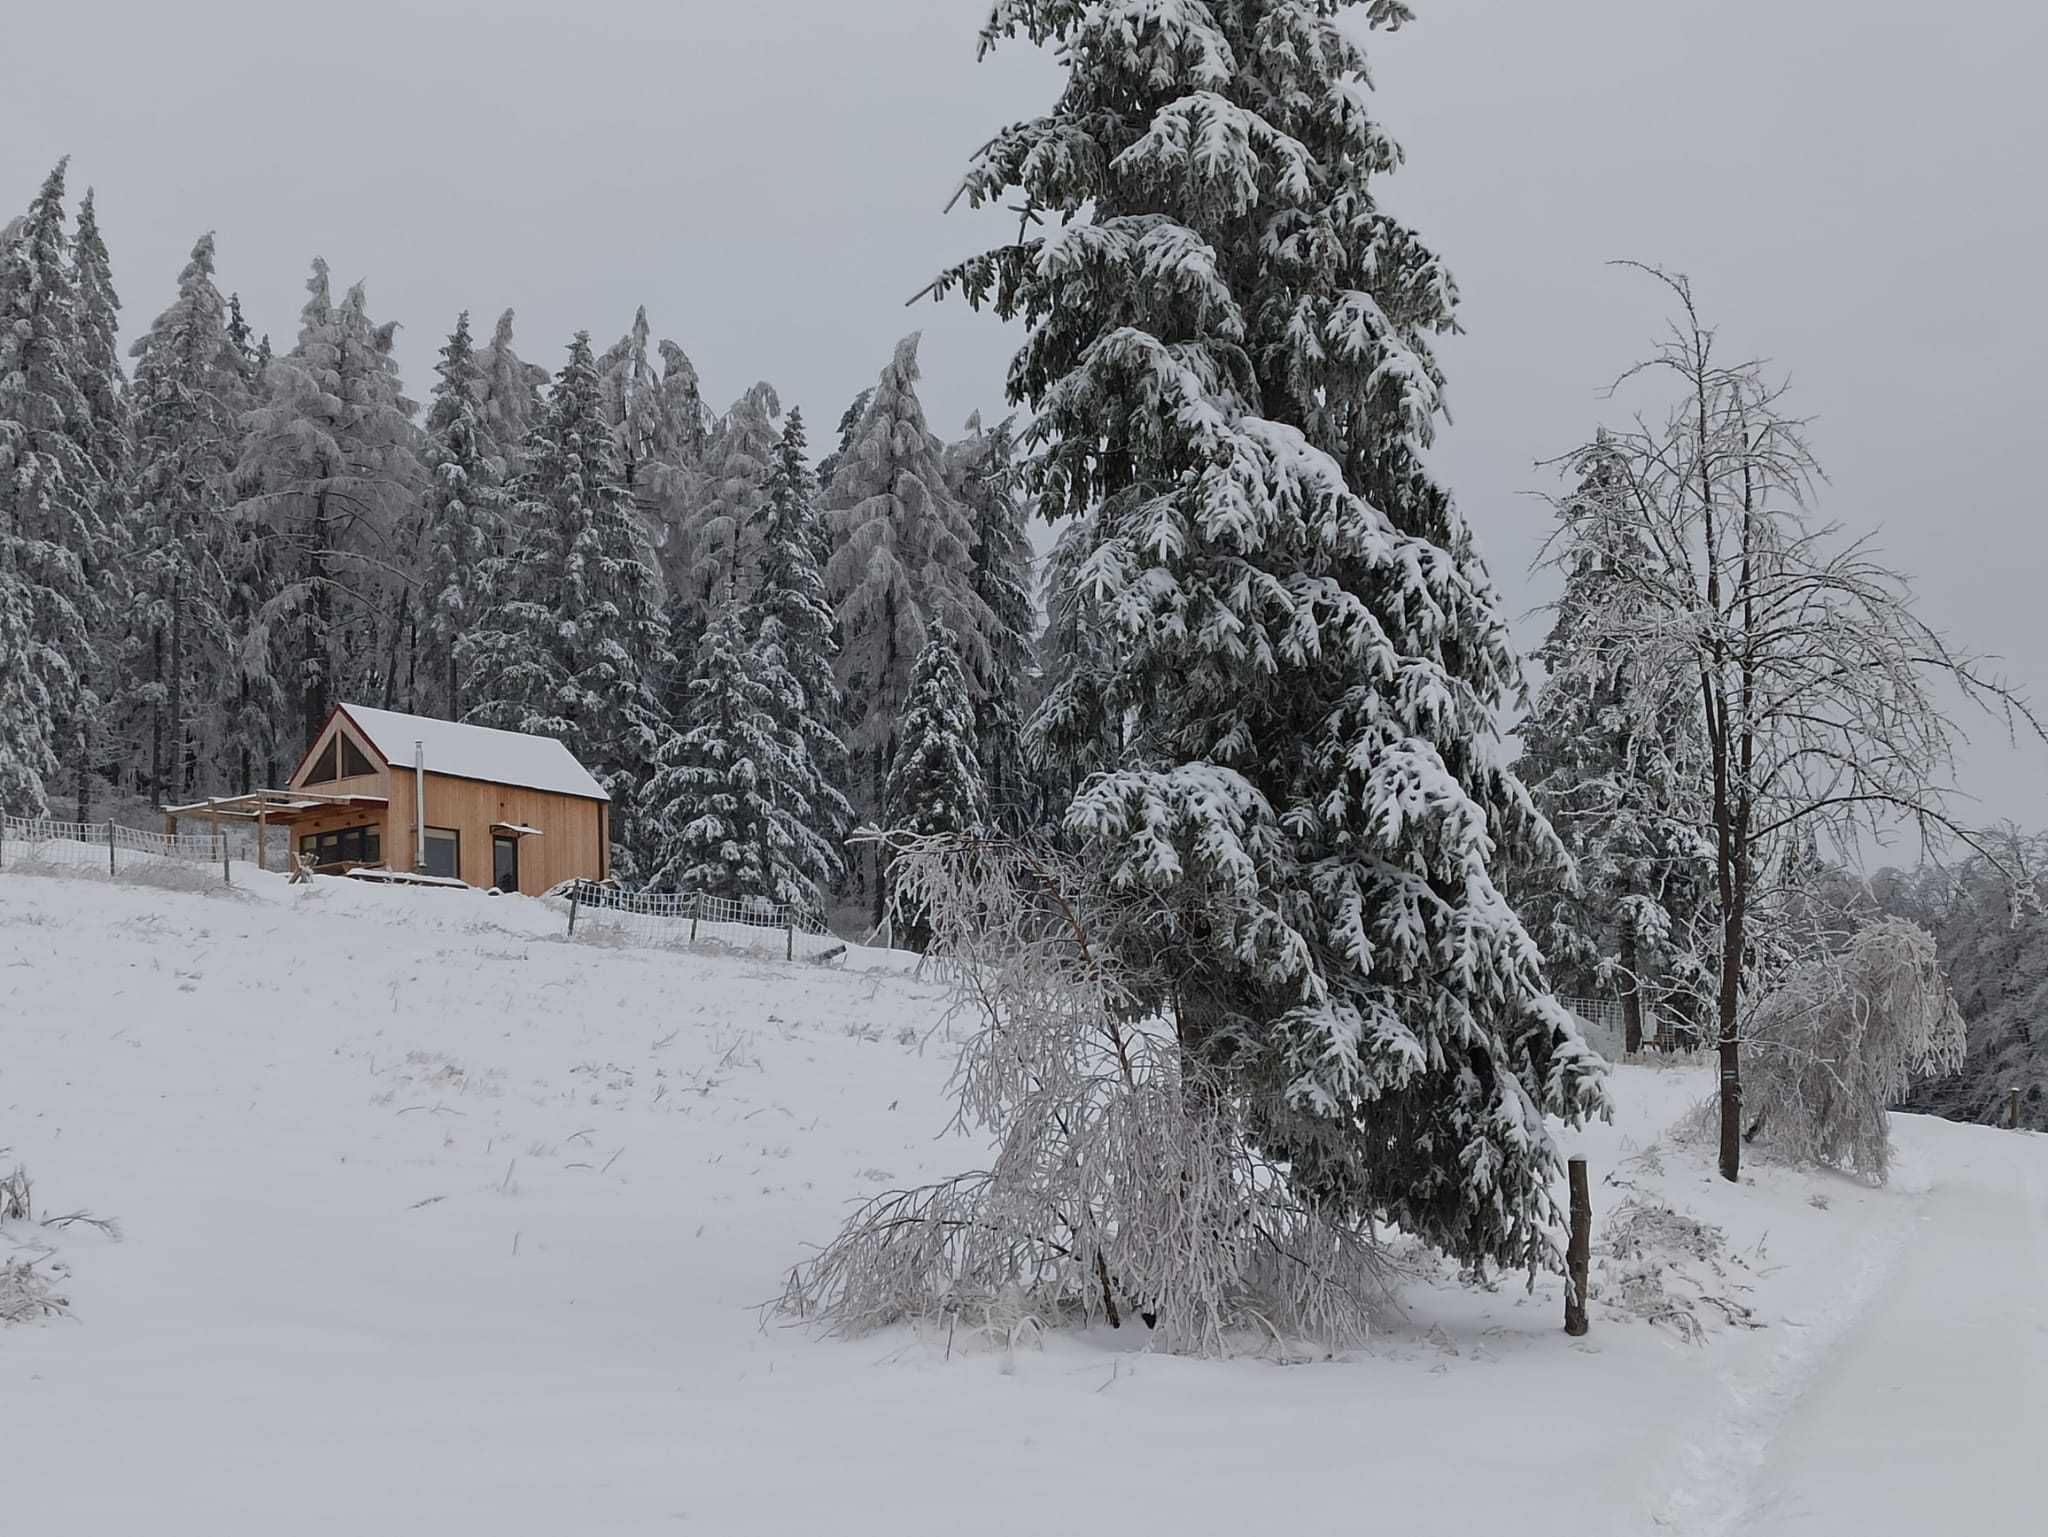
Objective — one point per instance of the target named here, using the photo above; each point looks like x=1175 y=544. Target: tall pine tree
x=935 y=784
x=903 y=553
x=104 y=436
x=1229 y=360
x=573 y=632
x=983 y=470
x=794 y=634
x=189 y=392
x=331 y=465
x=51 y=496
x=464 y=520
x=727 y=814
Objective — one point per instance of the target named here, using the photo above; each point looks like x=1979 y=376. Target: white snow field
x=434 y=1222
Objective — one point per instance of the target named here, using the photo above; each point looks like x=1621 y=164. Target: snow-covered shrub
x=1125 y=1185
x=1841 y=1039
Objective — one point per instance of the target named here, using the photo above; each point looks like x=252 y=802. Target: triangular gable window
x=353 y=762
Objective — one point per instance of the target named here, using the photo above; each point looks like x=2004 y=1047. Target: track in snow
x=1932 y=1413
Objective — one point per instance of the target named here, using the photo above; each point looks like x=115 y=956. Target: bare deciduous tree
x=1820 y=692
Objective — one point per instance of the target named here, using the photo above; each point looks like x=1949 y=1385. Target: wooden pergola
x=263 y=807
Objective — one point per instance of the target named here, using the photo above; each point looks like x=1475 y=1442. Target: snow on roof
x=476 y=752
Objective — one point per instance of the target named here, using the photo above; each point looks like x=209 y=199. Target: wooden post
x=262 y=835
x=2012 y=1108
x=789 y=953
x=693 y=920
x=110 y=845
x=220 y=842
x=575 y=897
x=1579 y=1255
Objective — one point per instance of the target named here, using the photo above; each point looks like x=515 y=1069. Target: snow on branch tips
x=1123 y=1187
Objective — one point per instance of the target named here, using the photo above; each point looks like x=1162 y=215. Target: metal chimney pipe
x=419 y=821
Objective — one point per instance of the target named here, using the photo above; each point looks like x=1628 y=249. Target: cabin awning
x=515 y=830
x=279 y=806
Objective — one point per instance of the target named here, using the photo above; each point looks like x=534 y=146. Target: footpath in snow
x=1932 y=1414
x=437 y=1222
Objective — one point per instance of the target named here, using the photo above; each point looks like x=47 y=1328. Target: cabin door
x=505 y=863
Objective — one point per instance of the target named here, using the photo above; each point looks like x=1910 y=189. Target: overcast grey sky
x=1847 y=181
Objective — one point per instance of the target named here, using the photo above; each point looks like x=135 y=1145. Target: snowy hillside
x=433 y=1221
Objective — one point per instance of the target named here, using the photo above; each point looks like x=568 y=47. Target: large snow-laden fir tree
x=983 y=470
x=190 y=389
x=707 y=553
x=656 y=416
x=935 y=786
x=51 y=493
x=104 y=435
x=463 y=517
x=1229 y=360
x=902 y=552
x=795 y=642
x=727 y=814
x=331 y=465
x=508 y=398
x=573 y=635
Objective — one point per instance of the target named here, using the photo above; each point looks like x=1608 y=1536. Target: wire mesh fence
x=1604 y=1025
x=106 y=847
x=691 y=918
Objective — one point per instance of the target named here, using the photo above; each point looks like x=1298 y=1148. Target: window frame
x=453 y=837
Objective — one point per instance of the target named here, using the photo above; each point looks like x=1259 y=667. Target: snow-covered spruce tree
x=27 y=730
x=795 y=643
x=188 y=394
x=464 y=521
x=508 y=398
x=332 y=476
x=572 y=636
x=902 y=553
x=657 y=418
x=104 y=434
x=707 y=556
x=726 y=811
x=1230 y=364
x=1621 y=778
x=51 y=496
x=935 y=786
x=983 y=470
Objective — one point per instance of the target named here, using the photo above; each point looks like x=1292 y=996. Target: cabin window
x=354 y=763
x=327 y=767
x=444 y=853
x=505 y=863
x=345 y=846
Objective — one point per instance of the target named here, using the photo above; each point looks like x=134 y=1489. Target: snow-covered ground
x=434 y=1221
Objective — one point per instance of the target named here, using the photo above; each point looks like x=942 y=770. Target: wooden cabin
x=409 y=797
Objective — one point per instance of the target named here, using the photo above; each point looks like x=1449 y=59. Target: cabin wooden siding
x=572 y=839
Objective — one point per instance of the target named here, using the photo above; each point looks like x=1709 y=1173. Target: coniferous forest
x=1252 y=760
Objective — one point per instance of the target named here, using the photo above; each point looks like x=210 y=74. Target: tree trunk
x=1734 y=936
x=177 y=731
x=1631 y=992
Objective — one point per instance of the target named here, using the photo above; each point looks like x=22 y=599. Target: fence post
x=575 y=897
x=1579 y=1254
x=695 y=903
x=2012 y=1109
x=789 y=953
x=110 y=845
x=220 y=840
